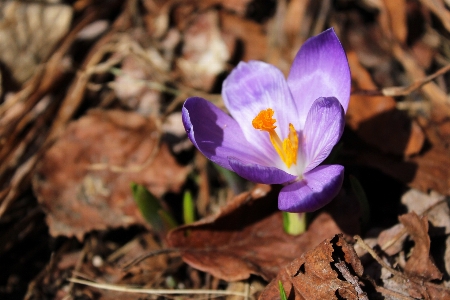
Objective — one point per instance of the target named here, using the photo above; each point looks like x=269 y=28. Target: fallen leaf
x=391 y=240
x=329 y=271
x=28 y=34
x=418 y=202
x=83 y=180
x=247 y=237
x=434 y=205
x=419 y=264
x=374 y=118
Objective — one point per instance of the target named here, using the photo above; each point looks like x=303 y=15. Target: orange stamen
x=264 y=120
x=286 y=149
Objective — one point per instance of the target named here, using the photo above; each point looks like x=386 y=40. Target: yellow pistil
x=286 y=149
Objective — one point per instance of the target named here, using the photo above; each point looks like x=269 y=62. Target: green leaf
x=188 y=208
x=151 y=209
x=362 y=199
x=282 y=291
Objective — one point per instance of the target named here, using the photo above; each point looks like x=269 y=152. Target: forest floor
x=103 y=196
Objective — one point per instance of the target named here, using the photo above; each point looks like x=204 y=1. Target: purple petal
x=252 y=87
x=317 y=189
x=258 y=173
x=320 y=69
x=323 y=129
x=215 y=133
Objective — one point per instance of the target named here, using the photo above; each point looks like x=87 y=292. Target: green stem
x=294 y=223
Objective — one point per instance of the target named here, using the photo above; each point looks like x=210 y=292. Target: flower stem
x=294 y=223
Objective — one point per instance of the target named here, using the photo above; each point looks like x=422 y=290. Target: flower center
x=286 y=149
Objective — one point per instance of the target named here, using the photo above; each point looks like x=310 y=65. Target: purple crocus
x=280 y=130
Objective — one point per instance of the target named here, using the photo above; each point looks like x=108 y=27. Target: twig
x=393 y=240
x=126 y=289
x=354 y=280
x=366 y=247
x=401 y=90
x=147 y=255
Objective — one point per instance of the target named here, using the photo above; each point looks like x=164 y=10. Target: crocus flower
x=280 y=130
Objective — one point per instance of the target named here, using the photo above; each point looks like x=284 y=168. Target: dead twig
x=148 y=255
x=396 y=91
x=366 y=247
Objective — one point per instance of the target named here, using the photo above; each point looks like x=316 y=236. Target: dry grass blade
x=118 y=288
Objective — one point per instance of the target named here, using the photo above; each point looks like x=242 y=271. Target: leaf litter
x=90 y=108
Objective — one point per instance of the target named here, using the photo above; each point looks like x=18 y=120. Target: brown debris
x=374 y=118
x=28 y=34
x=246 y=237
x=326 y=272
x=147 y=57
x=401 y=285
x=419 y=264
x=83 y=180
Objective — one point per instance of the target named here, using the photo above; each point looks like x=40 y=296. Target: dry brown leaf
x=83 y=180
x=419 y=202
x=326 y=272
x=419 y=264
x=433 y=205
x=437 y=292
x=375 y=118
x=247 y=237
x=28 y=34
x=391 y=240
x=397 y=285
x=433 y=171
